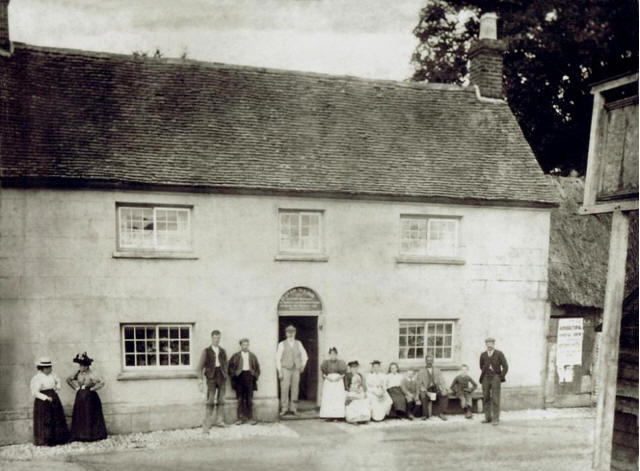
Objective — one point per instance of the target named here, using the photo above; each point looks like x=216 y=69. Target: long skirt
x=87 y=424
x=399 y=407
x=357 y=410
x=49 y=423
x=333 y=398
x=380 y=405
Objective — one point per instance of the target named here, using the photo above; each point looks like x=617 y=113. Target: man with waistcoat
x=291 y=359
x=213 y=371
x=493 y=367
x=432 y=388
x=244 y=370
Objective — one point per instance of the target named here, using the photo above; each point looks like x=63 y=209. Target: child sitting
x=462 y=387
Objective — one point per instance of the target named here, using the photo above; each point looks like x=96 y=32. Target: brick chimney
x=485 y=56
x=5 y=42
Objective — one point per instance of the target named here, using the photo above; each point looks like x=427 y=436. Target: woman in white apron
x=379 y=399
x=357 y=410
x=333 y=393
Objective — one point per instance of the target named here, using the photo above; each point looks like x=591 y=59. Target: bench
x=477 y=403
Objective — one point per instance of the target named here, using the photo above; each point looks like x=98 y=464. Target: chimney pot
x=489 y=26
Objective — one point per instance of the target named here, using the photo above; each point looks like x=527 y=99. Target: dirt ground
x=520 y=443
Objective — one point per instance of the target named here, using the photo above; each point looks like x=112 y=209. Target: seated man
x=432 y=388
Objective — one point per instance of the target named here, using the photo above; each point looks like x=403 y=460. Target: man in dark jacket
x=213 y=371
x=494 y=367
x=244 y=370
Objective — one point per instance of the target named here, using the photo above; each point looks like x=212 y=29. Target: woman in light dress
x=379 y=400
x=357 y=410
x=333 y=392
x=393 y=383
x=49 y=423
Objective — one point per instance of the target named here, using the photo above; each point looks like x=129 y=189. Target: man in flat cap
x=494 y=367
x=291 y=359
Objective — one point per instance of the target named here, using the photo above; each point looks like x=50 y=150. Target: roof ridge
x=245 y=68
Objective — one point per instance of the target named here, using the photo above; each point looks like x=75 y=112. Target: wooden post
x=608 y=359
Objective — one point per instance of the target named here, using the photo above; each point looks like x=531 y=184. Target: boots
x=208 y=418
x=467 y=412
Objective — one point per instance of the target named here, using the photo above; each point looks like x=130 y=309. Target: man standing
x=291 y=358
x=432 y=388
x=244 y=370
x=213 y=370
x=494 y=367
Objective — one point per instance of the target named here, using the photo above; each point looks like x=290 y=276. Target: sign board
x=612 y=168
x=299 y=300
x=569 y=349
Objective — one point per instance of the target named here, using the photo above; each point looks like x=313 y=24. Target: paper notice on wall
x=569 y=350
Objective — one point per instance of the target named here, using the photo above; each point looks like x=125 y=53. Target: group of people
x=49 y=423
x=346 y=393
x=357 y=399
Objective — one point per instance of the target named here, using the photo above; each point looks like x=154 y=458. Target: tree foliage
x=555 y=50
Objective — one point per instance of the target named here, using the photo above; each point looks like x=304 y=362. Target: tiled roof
x=117 y=120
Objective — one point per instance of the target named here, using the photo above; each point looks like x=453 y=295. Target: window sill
x=303 y=257
x=429 y=260
x=419 y=364
x=155 y=255
x=145 y=375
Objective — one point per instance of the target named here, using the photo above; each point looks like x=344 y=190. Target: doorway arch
x=301 y=307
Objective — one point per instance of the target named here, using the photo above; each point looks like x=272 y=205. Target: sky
x=367 y=38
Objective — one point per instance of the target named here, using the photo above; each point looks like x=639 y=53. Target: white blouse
x=393 y=379
x=41 y=382
x=375 y=380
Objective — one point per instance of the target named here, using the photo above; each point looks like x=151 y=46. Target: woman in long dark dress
x=49 y=423
x=87 y=424
x=393 y=383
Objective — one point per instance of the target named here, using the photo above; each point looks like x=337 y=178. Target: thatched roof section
x=579 y=250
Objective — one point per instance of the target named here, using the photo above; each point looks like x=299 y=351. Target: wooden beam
x=609 y=207
x=593 y=159
x=608 y=359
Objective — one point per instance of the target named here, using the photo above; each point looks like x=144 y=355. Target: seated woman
x=87 y=424
x=357 y=410
x=333 y=392
x=379 y=400
x=393 y=383
x=49 y=423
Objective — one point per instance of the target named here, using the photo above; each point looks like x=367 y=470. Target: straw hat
x=44 y=361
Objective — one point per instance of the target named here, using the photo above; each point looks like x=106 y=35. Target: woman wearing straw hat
x=49 y=424
x=87 y=424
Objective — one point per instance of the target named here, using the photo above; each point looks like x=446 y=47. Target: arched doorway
x=301 y=308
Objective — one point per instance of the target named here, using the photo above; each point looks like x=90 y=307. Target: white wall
x=62 y=292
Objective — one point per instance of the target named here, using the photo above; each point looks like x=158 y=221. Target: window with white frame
x=429 y=236
x=153 y=346
x=300 y=231
x=418 y=338
x=154 y=228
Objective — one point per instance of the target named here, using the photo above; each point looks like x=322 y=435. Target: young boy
x=409 y=387
x=462 y=388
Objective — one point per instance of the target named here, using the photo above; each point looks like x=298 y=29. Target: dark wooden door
x=307 y=333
